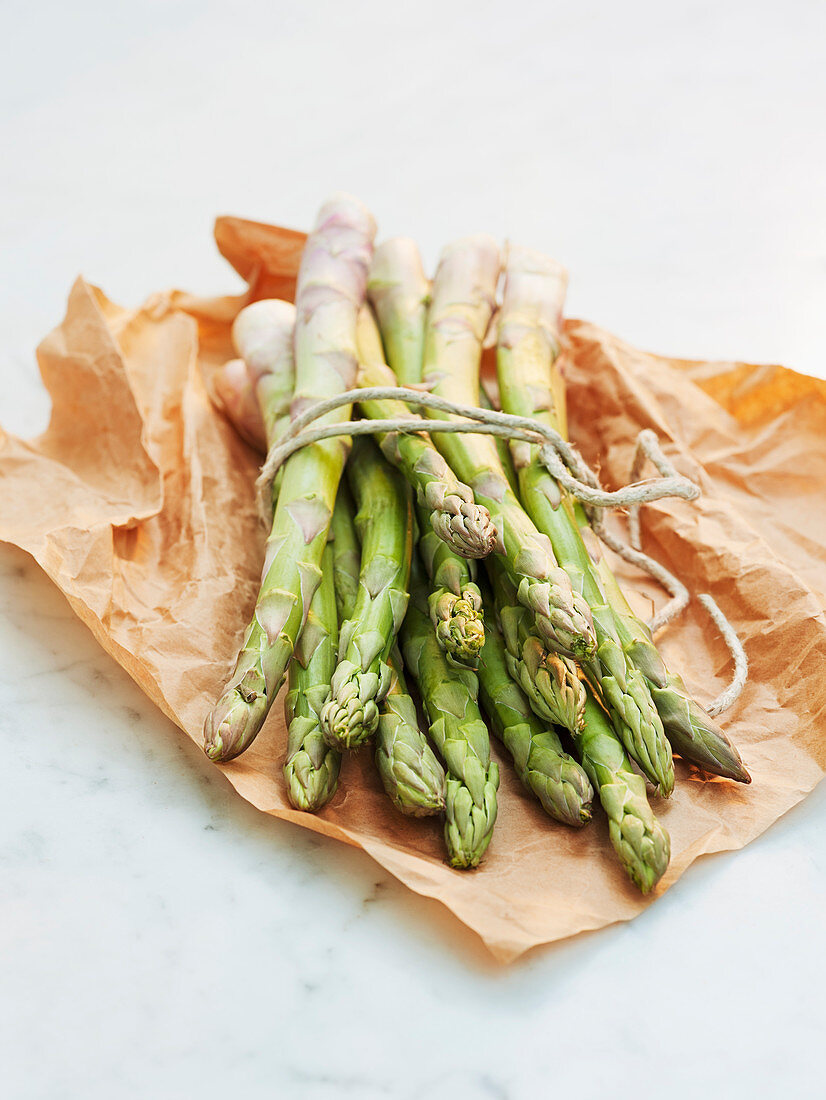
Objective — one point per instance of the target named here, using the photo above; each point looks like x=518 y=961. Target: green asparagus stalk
x=459 y=733
x=330 y=290
x=544 y=768
x=412 y=776
x=502 y=445
x=528 y=343
x=448 y=504
x=384 y=524
x=640 y=841
x=346 y=553
x=400 y=293
x=549 y=681
x=454 y=603
x=692 y=732
x=399 y=290
x=263 y=334
x=312 y=768
x=463 y=297
x=531 y=386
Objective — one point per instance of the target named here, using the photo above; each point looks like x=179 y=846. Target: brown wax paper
x=138 y=502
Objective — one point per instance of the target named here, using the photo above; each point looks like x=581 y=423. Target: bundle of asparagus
x=358 y=600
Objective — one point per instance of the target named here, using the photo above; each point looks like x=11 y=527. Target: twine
x=559 y=458
x=562 y=461
x=648 y=448
x=741 y=662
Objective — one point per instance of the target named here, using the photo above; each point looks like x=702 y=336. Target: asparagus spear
x=412 y=776
x=330 y=289
x=454 y=602
x=692 y=732
x=447 y=504
x=312 y=768
x=528 y=343
x=530 y=386
x=640 y=841
x=462 y=303
x=346 y=553
x=459 y=733
x=538 y=757
x=550 y=682
x=384 y=525
x=263 y=333
x=400 y=292
x=502 y=445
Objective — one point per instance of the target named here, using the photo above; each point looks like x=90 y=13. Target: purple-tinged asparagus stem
x=330 y=291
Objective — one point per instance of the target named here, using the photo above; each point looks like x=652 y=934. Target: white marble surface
x=159 y=937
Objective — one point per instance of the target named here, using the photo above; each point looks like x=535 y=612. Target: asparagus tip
x=665 y=787
x=469 y=532
x=350 y=716
x=232 y=724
